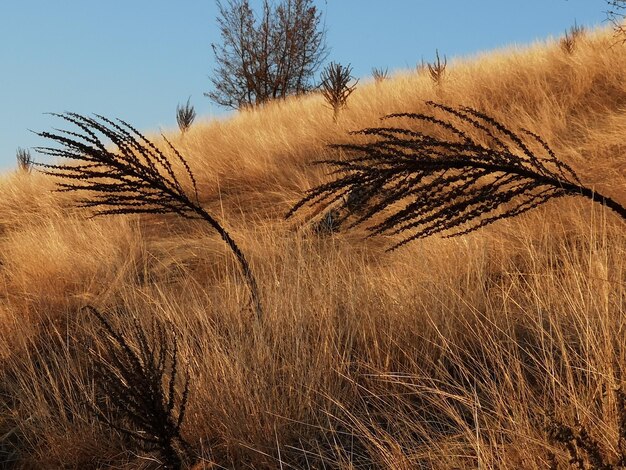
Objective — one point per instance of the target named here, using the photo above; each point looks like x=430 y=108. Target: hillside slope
x=450 y=353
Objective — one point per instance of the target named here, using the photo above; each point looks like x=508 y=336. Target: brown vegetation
x=446 y=353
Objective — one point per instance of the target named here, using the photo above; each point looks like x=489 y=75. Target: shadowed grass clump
x=185 y=116
x=136 y=178
x=137 y=377
x=452 y=184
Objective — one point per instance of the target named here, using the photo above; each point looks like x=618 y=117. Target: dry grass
x=446 y=353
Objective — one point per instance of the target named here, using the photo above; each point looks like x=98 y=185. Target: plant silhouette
x=444 y=181
x=137 y=177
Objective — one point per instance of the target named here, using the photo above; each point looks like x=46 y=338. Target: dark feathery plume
x=426 y=183
x=136 y=177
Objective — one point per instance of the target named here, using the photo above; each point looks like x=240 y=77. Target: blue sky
x=137 y=59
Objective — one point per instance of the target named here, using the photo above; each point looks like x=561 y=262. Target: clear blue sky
x=138 y=59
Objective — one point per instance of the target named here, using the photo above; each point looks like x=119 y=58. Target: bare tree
x=616 y=14
x=265 y=57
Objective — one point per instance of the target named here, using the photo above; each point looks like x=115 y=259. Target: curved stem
x=570 y=187
x=243 y=262
x=604 y=200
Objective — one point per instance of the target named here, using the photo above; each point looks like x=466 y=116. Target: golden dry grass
x=444 y=354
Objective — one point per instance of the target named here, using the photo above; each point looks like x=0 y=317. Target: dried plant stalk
x=423 y=184
x=136 y=178
x=582 y=448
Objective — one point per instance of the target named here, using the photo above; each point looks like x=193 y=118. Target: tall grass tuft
x=336 y=86
x=136 y=178
x=185 y=116
x=24 y=160
x=452 y=184
x=572 y=36
x=380 y=74
x=136 y=376
x=421 y=66
x=437 y=70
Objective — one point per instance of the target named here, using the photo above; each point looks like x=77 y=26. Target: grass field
x=471 y=352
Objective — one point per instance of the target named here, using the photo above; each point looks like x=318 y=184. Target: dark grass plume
x=136 y=177
x=442 y=180
x=336 y=87
x=136 y=375
x=185 y=116
x=24 y=160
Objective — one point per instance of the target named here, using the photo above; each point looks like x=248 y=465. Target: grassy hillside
x=448 y=353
